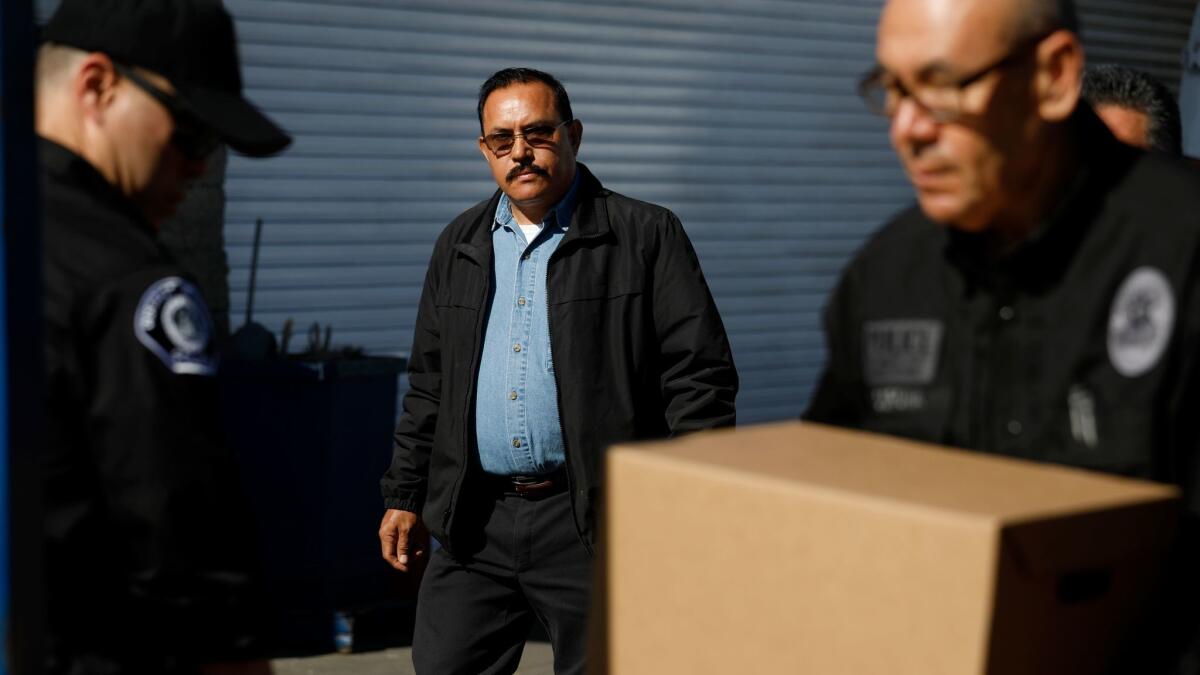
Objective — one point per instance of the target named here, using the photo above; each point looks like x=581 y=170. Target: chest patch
x=172 y=321
x=901 y=351
x=1140 y=322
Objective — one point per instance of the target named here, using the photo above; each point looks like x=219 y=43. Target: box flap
x=899 y=472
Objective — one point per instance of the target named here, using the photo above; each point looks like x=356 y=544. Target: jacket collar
x=62 y=164
x=589 y=221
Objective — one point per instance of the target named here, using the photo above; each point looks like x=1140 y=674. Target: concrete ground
x=537 y=660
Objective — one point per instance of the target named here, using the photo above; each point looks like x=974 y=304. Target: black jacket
x=639 y=351
x=147 y=547
x=1080 y=347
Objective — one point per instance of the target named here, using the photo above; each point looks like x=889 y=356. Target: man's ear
x=575 y=129
x=483 y=150
x=94 y=85
x=1059 y=75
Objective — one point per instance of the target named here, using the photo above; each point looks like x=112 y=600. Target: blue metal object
x=20 y=347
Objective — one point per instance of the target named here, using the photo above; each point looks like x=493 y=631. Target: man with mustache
x=1042 y=298
x=557 y=318
x=148 y=563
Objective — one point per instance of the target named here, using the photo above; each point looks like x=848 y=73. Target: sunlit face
x=1128 y=125
x=534 y=178
x=149 y=169
x=963 y=171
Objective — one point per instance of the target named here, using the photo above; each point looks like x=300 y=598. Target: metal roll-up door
x=739 y=115
x=1149 y=36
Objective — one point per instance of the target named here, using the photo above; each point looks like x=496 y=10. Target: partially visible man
x=1042 y=299
x=147 y=548
x=1138 y=109
x=557 y=318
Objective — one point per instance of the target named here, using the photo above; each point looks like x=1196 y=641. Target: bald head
x=980 y=91
x=1008 y=22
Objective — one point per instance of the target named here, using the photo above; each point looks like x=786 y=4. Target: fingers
x=397 y=536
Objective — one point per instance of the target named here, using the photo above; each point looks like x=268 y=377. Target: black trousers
x=475 y=610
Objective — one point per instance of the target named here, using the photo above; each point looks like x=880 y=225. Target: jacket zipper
x=467 y=414
x=558 y=397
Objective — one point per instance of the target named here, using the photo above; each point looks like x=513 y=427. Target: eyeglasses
x=541 y=136
x=883 y=92
x=194 y=139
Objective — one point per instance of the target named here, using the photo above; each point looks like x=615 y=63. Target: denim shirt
x=517 y=426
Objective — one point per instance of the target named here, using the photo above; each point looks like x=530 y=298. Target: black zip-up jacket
x=148 y=558
x=1079 y=347
x=639 y=351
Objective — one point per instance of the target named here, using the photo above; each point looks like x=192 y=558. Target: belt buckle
x=525 y=485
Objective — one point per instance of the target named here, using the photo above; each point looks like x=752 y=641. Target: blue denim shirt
x=517 y=427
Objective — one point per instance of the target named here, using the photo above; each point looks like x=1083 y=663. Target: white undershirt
x=531 y=231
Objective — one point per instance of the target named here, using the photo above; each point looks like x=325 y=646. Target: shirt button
x=521 y=301
x=1007 y=313
x=516 y=442
x=1014 y=427
x=512 y=395
x=517 y=347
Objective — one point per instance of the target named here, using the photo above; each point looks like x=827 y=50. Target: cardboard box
x=800 y=548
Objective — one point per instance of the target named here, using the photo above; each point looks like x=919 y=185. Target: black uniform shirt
x=1079 y=347
x=146 y=548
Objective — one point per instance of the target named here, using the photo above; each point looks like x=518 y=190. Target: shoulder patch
x=1140 y=321
x=173 y=322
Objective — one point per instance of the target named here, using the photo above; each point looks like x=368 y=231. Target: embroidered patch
x=1140 y=322
x=901 y=351
x=1081 y=406
x=172 y=321
x=897 y=399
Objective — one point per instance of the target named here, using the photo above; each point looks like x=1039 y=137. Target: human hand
x=403 y=538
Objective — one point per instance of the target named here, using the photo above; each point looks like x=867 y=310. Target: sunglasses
x=194 y=139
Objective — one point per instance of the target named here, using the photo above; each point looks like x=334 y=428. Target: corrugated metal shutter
x=739 y=116
x=1149 y=36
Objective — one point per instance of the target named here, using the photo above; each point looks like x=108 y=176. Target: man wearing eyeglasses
x=1041 y=300
x=557 y=318
x=146 y=534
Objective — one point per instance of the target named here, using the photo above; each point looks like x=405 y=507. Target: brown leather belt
x=530 y=487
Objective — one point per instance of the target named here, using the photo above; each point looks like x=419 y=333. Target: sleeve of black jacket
x=405 y=483
x=179 y=527
x=699 y=380
x=836 y=399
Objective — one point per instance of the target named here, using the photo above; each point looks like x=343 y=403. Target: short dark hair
x=1037 y=18
x=510 y=76
x=1123 y=87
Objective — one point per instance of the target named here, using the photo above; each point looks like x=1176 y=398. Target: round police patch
x=1140 y=322
x=172 y=321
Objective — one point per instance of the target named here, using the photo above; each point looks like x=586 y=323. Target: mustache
x=532 y=168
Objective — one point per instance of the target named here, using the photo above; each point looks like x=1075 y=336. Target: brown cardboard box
x=800 y=548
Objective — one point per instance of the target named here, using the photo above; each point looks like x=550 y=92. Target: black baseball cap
x=189 y=42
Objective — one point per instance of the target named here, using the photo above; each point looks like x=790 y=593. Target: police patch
x=1140 y=322
x=901 y=351
x=172 y=321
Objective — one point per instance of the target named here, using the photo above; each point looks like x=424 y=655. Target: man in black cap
x=147 y=542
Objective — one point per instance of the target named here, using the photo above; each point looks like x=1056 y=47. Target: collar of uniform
x=1040 y=256
x=65 y=165
x=561 y=213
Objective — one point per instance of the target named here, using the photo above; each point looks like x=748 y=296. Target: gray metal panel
x=1149 y=36
x=738 y=115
